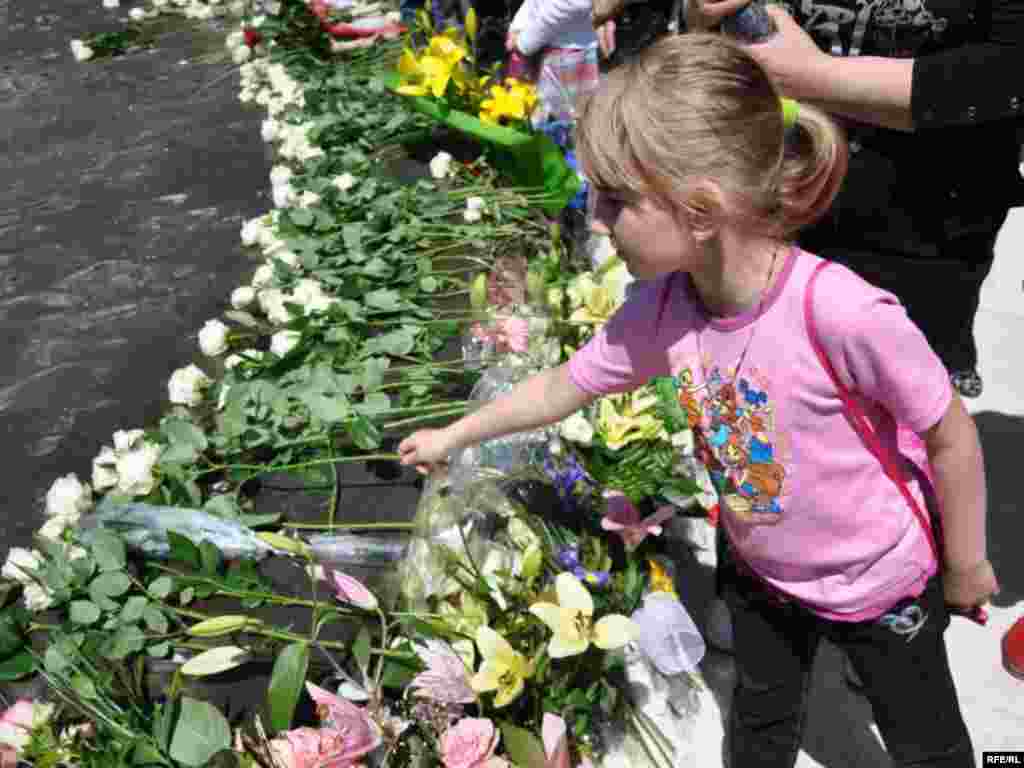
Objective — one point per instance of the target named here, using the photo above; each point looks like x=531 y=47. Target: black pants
x=903 y=665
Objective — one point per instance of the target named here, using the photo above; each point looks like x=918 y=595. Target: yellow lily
x=514 y=101
x=503 y=669
x=572 y=621
x=620 y=423
x=599 y=299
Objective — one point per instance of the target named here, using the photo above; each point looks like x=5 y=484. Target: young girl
x=700 y=185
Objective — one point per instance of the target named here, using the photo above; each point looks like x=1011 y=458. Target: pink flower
x=470 y=743
x=556 y=743
x=623 y=518
x=312 y=748
x=16 y=725
x=445 y=679
x=512 y=334
x=351 y=591
x=358 y=734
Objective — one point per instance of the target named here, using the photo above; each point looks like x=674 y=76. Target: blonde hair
x=696 y=110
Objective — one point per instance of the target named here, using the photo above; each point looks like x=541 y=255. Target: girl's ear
x=704 y=209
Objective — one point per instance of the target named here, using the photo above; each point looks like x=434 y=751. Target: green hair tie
x=790 y=112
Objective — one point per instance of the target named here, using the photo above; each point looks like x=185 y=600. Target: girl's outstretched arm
x=544 y=399
x=955 y=454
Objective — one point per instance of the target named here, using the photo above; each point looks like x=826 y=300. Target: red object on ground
x=713 y=515
x=1013 y=649
x=252 y=37
x=322 y=10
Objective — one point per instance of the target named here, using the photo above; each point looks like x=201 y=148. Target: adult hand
x=702 y=15
x=427 y=449
x=799 y=69
x=968 y=588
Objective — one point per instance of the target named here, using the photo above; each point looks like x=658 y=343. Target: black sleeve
x=974 y=83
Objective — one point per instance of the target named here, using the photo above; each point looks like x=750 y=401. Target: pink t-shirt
x=774 y=436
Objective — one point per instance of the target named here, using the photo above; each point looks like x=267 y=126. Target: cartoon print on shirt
x=895 y=28
x=735 y=439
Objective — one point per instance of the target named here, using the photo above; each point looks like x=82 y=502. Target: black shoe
x=967 y=383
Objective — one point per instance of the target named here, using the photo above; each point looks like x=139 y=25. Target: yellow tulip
x=572 y=621
x=503 y=669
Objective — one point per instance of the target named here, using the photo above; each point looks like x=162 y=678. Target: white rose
x=252 y=230
x=263 y=276
x=103 y=474
x=111 y=3
x=268 y=129
x=441 y=165
x=241 y=54
x=20 y=562
x=252 y=355
x=243 y=296
x=37 y=598
x=68 y=498
x=125 y=439
x=53 y=528
x=307 y=198
x=186 y=386
x=288 y=258
x=136 y=14
x=283 y=194
x=238 y=7
x=393 y=17
x=578 y=429
x=345 y=182
x=81 y=51
x=471 y=216
x=135 y=475
x=234 y=39
x=283 y=342
x=280 y=174
x=213 y=338
x=475 y=204
x=272 y=302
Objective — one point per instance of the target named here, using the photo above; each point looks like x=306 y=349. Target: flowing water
x=123 y=186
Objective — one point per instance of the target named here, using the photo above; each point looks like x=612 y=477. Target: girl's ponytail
x=812 y=170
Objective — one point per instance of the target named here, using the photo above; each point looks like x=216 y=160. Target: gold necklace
x=750 y=338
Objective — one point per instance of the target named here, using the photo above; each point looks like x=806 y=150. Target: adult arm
x=904 y=94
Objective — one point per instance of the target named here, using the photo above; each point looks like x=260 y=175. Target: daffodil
x=503 y=670
x=513 y=101
x=572 y=621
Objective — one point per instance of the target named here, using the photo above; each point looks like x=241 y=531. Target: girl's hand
x=426 y=448
x=799 y=69
x=968 y=588
x=512 y=41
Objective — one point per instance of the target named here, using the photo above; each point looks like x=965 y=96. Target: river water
x=124 y=185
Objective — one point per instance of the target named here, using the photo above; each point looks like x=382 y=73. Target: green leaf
x=109 y=585
x=361 y=649
x=16 y=667
x=301 y=217
x=160 y=588
x=12 y=636
x=155 y=619
x=428 y=284
x=124 y=642
x=364 y=433
x=210 y=557
x=84 y=612
x=159 y=650
x=109 y=551
x=222 y=505
x=286 y=681
x=200 y=733
x=352 y=234
x=84 y=687
x=183 y=550
x=134 y=609
x=525 y=749
x=185 y=441
x=146 y=754
x=374 y=404
x=384 y=299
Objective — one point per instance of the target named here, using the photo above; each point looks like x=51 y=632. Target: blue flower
x=569 y=558
x=591 y=578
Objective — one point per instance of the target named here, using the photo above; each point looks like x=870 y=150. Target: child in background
x=558 y=33
x=702 y=186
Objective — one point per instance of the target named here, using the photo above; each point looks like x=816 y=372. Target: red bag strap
x=854 y=413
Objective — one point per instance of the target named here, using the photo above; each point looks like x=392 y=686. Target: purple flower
x=569 y=558
x=592 y=578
